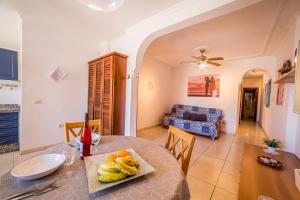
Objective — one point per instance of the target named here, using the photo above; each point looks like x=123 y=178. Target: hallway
x=215 y=165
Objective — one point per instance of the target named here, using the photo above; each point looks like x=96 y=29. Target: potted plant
x=272 y=144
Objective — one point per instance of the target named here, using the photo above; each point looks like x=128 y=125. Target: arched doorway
x=251 y=95
x=136 y=40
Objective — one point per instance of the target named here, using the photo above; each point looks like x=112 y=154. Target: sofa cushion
x=187 y=126
x=187 y=115
x=198 y=117
x=213 y=114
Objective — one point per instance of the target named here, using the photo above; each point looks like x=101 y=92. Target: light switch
x=38 y=101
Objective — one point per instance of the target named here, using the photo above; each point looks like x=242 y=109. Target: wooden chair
x=185 y=141
x=95 y=126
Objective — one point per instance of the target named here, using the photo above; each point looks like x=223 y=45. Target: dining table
x=167 y=181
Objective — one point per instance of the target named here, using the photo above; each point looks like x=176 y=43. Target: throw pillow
x=186 y=115
x=199 y=117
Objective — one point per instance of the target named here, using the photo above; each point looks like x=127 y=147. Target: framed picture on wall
x=204 y=85
x=280 y=92
x=268 y=93
x=295 y=57
x=297 y=81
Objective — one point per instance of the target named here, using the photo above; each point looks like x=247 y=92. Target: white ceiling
x=74 y=19
x=242 y=33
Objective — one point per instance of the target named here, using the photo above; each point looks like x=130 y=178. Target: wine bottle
x=85 y=139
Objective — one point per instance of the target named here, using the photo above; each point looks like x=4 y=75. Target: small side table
x=166 y=119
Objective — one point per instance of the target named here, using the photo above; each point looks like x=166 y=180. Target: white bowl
x=38 y=166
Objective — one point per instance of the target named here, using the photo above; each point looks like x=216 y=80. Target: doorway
x=249 y=104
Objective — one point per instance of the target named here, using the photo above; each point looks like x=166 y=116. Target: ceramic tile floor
x=214 y=170
x=214 y=167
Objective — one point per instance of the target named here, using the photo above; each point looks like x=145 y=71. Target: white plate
x=38 y=166
x=91 y=165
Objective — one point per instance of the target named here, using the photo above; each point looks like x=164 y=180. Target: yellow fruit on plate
x=128 y=160
x=110 y=167
x=130 y=170
x=111 y=177
x=118 y=167
x=102 y=171
x=111 y=158
x=122 y=153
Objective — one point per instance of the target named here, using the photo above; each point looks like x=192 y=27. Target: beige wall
x=153 y=93
x=43 y=51
x=280 y=121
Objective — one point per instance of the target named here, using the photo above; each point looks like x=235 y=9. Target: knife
x=31 y=191
x=36 y=193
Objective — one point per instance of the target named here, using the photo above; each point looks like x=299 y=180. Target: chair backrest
x=76 y=128
x=185 y=141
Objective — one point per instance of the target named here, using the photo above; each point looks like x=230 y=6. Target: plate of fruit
x=110 y=169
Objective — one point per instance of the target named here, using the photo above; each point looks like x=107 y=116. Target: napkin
x=95 y=138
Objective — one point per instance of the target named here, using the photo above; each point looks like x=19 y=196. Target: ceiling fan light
x=202 y=65
x=94 y=7
x=252 y=72
x=103 y=5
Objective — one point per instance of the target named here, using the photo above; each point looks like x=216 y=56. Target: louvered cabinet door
x=91 y=90
x=107 y=100
x=98 y=90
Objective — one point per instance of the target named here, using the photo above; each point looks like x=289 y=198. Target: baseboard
x=148 y=127
x=27 y=151
x=265 y=133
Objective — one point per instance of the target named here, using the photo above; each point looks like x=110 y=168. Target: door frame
x=244 y=90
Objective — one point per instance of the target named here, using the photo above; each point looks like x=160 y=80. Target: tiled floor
x=214 y=170
x=214 y=166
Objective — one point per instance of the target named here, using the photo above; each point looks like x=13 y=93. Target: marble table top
x=167 y=182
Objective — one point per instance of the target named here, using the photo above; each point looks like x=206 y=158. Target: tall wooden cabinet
x=106 y=92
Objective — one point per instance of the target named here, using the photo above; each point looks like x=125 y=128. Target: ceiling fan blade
x=195 y=57
x=213 y=63
x=216 y=58
x=186 y=62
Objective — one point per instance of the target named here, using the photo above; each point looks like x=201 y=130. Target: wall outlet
x=60 y=125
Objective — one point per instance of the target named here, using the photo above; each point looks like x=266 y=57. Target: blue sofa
x=209 y=127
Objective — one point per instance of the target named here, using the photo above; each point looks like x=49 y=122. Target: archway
x=135 y=41
x=252 y=94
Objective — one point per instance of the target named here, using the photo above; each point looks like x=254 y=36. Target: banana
x=128 y=160
x=111 y=177
x=110 y=167
x=102 y=171
x=130 y=170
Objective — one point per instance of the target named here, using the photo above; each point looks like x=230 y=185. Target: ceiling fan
x=203 y=60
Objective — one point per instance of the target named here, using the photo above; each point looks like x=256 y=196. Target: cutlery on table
x=33 y=192
x=36 y=193
x=71 y=145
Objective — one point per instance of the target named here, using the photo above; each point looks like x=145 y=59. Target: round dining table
x=166 y=182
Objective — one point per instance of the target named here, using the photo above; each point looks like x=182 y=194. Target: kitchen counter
x=9 y=108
